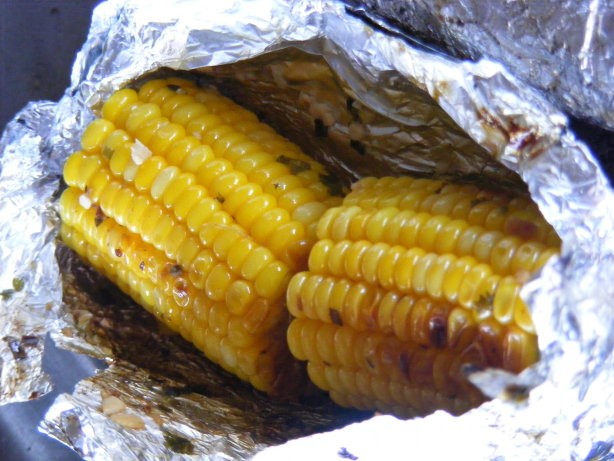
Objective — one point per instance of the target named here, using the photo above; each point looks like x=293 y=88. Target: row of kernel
x=442 y=277
x=233 y=190
x=206 y=326
x=367 y=308
x=492 y=213
x=440 y=234
x=257 y=264
x=204 y=273
x=219 y=122
x=378 y=355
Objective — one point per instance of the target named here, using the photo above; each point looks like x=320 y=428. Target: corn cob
x=201 y=213
x=410 y=280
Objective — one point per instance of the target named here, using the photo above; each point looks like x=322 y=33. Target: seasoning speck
x=345 y=454
x=484 y=305
x=358 y=147
x=100 y=216
x=319 y=128
x=335 y=316
x=332 y=183
x=107 y=152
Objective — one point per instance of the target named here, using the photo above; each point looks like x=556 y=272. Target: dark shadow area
x=38 y=43
x=19 y=436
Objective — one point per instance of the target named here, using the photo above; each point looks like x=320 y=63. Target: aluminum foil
x=29 y=292
x=365 y=102
x=562 y=47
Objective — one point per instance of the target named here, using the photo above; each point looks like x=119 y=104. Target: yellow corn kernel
x=117 y=103
x=176 y=188
x=139 y=114
x=80 y=168
x=148 y=171
x=181 y=149
x=410 y=280
x=183 y=114
x=145 y=129
x=164 y=137
x=196 y=157
x=168 y=200
x=95 y=134
x=240 y=197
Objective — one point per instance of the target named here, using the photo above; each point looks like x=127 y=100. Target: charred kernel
x=335 y=316
x=415 y=279
x=192 y=237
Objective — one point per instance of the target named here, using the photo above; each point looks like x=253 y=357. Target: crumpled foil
x=562 y=47
x=29 y=292
x=365 y=102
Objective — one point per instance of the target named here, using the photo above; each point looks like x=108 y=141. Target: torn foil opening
x=377 y=104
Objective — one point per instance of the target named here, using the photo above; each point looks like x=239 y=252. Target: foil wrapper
x=561 y=47
x=29 y=292
x=370 y=102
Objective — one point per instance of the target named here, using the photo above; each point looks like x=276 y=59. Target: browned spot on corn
x=425 y=277
x=202 y=214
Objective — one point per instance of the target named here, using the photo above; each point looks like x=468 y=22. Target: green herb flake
x=484 y=304
x=296 y=165
x=18 y=284
x=517 y=392
x=178 y=444
x=107 y=152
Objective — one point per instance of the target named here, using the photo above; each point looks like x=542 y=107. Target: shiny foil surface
x=562 y=47
x=365 y=102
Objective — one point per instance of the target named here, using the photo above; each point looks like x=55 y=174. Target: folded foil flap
x=366 y=102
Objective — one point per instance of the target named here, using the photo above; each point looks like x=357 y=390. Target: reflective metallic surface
x=439 y=116
x=562 y=47
x=20 y=438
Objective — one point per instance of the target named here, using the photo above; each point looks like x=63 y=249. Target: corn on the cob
x=410 y=280
x=201 y=213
